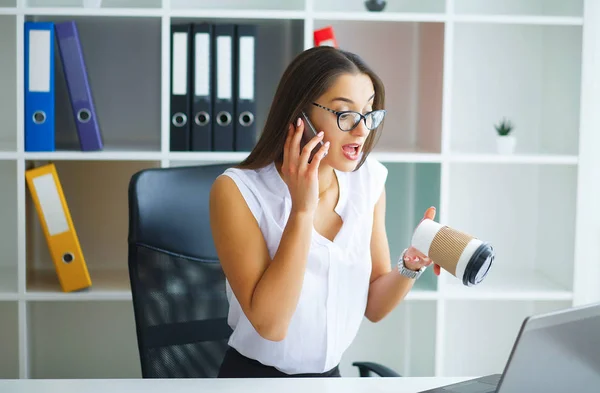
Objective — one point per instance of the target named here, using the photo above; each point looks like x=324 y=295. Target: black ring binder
x=179 y=119
x=246 y=119
x=202 y=118
x=224 y=118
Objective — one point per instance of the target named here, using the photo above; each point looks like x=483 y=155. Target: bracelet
x=401 y=260
x=405 y=270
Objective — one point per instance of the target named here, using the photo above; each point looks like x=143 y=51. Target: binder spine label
x=224 y=65
x=50 y=204
x=180 y=62
x=39 y=60
x=246 y=68
x=202 y=65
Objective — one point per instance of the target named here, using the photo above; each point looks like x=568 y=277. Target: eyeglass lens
x=348 y=121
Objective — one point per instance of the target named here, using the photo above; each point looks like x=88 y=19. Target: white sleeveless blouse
x=333 y=298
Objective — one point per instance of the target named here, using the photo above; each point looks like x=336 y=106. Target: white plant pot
x=506 y=144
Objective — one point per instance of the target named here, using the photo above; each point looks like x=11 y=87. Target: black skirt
x=236 y=365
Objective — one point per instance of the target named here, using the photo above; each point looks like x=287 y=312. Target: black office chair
x=178 y=287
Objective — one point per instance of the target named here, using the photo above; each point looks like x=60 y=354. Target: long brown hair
x=305 y=79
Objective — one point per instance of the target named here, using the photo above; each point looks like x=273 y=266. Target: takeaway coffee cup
x=460 y=254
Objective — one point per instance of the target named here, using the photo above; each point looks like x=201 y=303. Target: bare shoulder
x=223 y=183
x=222 y=187
x=228 y=203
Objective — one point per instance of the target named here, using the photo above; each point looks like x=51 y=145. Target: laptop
x=554 y=352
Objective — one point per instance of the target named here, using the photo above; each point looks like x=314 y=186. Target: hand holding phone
x=300 y=165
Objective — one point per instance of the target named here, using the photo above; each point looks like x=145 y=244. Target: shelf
x=504 y=283
x=531 y=76
x=106 y=285
x=343 y=7
x=520 y=20
x=403 y=341
x=109 y=154
x=538 y=159
x=9 y=340
x=205 y=158
x=131 y=117
x=519 y=7
x=408 y=157
x=240 y=14
x=468 y=325
x=236 y=5
x=279 y=14
x=101 y=342
x=96 y=194
x=7 y=155
x=95 y=12
x=379 y=17
x=412 y=74
x=137 y=4
x=7 y=11
x=527 y=213
x=8 y=84
x=194 y=158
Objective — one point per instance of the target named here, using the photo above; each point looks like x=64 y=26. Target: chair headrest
x=169 y=209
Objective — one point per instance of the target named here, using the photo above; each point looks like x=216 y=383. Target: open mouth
x=351 y=151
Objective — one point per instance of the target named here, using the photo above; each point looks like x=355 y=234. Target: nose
x=360 y=130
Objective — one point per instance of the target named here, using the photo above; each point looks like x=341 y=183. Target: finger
x=308 y=148
x=436 y=269
x=314 y=164
x=295 y=143
x=429 y=214
x=286 y=147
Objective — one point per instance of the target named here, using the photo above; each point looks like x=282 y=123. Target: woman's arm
x=268 y=291
x=388 y=287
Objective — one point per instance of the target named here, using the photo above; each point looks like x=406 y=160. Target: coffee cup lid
x=479 y=265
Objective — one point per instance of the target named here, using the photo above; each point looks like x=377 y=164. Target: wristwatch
x=405 y=271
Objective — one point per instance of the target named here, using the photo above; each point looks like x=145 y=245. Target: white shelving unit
x=452 y=69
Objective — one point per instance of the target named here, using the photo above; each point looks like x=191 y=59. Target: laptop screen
x=559 y=352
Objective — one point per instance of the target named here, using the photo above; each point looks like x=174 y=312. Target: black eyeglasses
x=348 y=120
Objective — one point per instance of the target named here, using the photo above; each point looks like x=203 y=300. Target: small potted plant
x=505 y=142
x=375 y=5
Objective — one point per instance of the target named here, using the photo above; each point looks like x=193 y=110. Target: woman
x=303 y=245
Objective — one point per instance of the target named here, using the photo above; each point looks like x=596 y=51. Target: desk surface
x=300 y=385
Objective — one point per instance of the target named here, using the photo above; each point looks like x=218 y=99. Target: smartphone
x=309 y=133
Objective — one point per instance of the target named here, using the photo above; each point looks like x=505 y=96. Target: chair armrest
x=366 y=368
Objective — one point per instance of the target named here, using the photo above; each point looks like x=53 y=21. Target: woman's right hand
x=301 y=176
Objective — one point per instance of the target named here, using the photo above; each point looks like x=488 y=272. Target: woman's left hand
x=413 y=258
